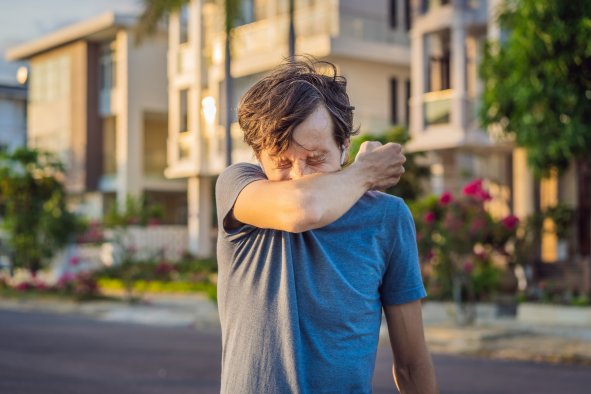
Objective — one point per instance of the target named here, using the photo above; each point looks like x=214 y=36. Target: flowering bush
x=458 y=241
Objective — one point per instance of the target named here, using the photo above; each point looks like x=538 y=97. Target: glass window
x=108 y=66
x=183 y=110
x=184 y=24
x=109 y=146
x=155 y=137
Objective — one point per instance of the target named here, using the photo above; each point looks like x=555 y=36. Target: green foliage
x=537 y=84
x=409 y=187
x=155 y=11
x=33 y=199
x=137 y=211
x=136 y=277
x=562 y=215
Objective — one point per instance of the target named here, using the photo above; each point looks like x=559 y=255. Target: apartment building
x=13 y=116
x=99 y=102
x=368 y=41
x=447 y=37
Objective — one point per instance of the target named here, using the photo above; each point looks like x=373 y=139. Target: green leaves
x=33 y=199
x=536 y=82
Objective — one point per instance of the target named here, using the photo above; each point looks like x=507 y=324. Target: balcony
x=369 y=29
x=272 y=33
x=437 y=107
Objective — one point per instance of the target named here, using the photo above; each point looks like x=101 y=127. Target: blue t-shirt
x=301 y=312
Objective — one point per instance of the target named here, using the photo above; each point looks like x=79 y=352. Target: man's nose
x=298 y=170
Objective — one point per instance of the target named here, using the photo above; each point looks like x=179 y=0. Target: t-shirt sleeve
x=402 y=281
x=229 y=185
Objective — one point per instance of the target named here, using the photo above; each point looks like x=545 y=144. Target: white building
x=447 y=38
x=99 y=101
x=368 y=41
x=13 y=117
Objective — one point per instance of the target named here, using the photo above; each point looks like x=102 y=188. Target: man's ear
x=345 y=151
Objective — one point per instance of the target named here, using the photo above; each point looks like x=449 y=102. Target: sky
x=25 y=20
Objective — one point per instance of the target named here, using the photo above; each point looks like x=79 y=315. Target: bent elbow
x=305 y=215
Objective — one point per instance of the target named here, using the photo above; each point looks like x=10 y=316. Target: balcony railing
x=437 y=107
x=269 y=33
x=370 y=29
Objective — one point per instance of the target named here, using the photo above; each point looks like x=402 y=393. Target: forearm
x=326 y=197
x=416 y=379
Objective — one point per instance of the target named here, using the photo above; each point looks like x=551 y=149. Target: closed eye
x=315 y=162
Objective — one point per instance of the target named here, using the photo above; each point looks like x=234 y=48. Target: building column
x=199 y=194
x=129 y=136
x=523 y=185
x=458 y=76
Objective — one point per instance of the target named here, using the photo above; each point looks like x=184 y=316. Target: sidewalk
x=489 y=337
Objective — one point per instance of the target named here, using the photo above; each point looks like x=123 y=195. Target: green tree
x=409 y=187
x=33 y=199
x=537 y=82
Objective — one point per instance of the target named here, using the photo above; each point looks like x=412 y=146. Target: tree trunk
x=229 y=94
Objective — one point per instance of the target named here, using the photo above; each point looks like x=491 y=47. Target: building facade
x=368 y=42
x=99 y=102
x=447 y=38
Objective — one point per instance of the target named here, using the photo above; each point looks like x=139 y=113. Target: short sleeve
x=229 y=185
x=402 y=281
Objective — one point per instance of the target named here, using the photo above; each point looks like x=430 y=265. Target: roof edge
x=69 y=34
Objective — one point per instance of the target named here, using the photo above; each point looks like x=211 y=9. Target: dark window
x=407 y=15
x=407 y=102
x=394 y=101
x=393 y=14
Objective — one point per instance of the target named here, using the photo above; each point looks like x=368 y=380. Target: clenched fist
x=383 y=165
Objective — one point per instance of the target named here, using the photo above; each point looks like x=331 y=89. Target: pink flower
x=468 y=267
x=445 y=198
x=23 y=286
x=74 y=261
x=430 y=255
x=483 y=195
x=477 y=225
x=153 y=222
x=510 y=222
x=430 y=217
x=472 y=188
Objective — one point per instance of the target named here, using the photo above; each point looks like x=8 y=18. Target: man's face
x=312 y=149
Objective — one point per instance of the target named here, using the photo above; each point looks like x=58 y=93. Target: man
x=308 y=255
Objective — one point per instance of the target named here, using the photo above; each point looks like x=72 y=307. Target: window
x=393 y=14
x=407 y=102
x=108 y=66
x=407 y=15
x=394 y=101
x=183 y=110
x=50 y=79
x=184 y=24
x=155 y=136
x=109 y=146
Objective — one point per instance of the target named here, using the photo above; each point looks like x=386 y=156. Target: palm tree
x=292 y=36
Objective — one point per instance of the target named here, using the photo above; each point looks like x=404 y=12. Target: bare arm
x=413 y=369
x=319 y=199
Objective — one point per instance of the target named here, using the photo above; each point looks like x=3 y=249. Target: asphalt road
x=47 y=353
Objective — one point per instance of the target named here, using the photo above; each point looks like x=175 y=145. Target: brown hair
x=271 y=109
